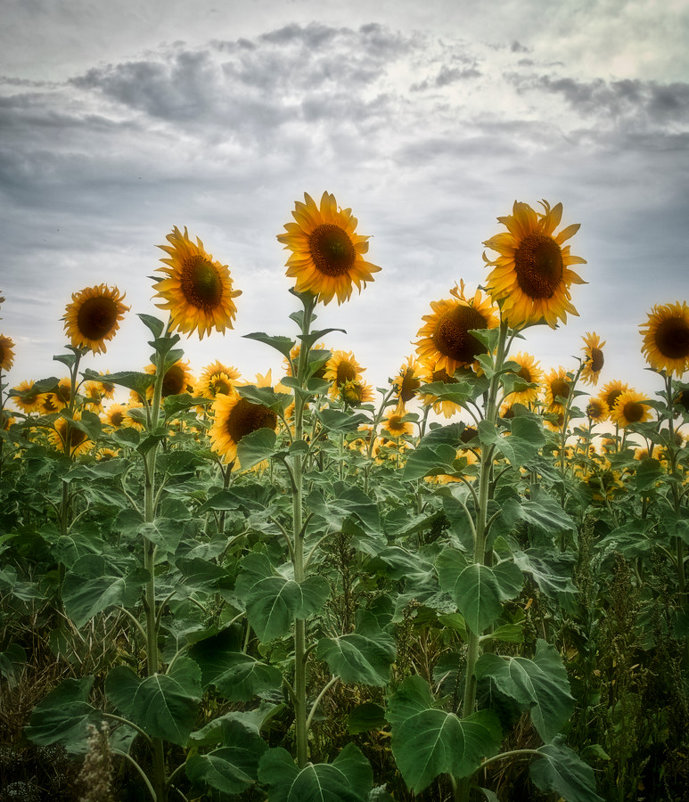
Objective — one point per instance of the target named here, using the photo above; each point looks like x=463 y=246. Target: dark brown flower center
x=468 y=434
x=117 y=418
x=220 y=386
x=173 y=383
x=346 y=372
x=246 y=417
x=201 y=283
x=96 y=317
x=72 y=437
x=443 y=376
x=594 y=410
x=48 y=404
x=612 y=396
x=597 y=360
x=560 y=388
x=451 y=336
x=524 y=373
x=538 y=264
x=331 y=250
x=672 y=338
x=633 y=411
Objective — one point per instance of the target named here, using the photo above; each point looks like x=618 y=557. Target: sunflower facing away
x=594 y=360
x=93 y=317
x=233 y=418
x=444 y=338
x=327 y=254
x=196 y=289
x=666 y=338
x=532 y=273
x=6 y=352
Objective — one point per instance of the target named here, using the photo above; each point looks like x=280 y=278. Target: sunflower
x=66 y=437
x=327 y=254
x=342 y=367
x=47 y=403
x=178 y=379
x=394 y=423
x=445 y=338
x=594 y=360
x=442 y=406
x=116 y=416
x=93 y=317
x=630 y=408
x=612 y=391
x=28 y=400
x=217 y=379
x=597 y=410
x=558 y=385
x=233 y=418
x=197 y=290
x=63 y=393
x=408 y=380
x=666 y=338
x=530 y=372
x=6 y=352
x=532 y=275
x=107 y=387
x=354 y=393
x=93 y=394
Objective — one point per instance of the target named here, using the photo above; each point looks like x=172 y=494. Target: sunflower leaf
x=256 y=447
x=282 y=344
x=153 y=324
x=309 y=339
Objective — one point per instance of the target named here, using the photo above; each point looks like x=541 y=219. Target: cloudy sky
x=120 y=120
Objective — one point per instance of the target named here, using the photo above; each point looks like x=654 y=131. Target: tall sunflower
x=530 y=371
x=630 y=408
x=445 y=338
x=327 y=254
x=196 y=289
x=233 y=418
x=666 y=338
x=217 y=379
x=531 y=275
x=612 y=391
x=93 y=317
x=178 y=379
x=6 y=352
x=342 y=367
x=593 y=358
x=354 y=393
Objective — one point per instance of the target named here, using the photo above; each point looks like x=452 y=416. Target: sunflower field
x=468 y=584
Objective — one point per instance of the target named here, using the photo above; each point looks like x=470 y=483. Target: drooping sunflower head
x=612 y=391
x=394 y=423
x=93 y=317
x=597 y=410
x=217 y=379
x=6 y=352
x=531 y=275
x=327 y=256
x=27 y=398
x=531 y=373
x=408 y=380
x=233 y=418
x=342 y=367
x=355 y=393
x=558 y=386
x=178 y=379
x=630 y=408
x=445 y=336
x=666 y=338
x=195 y=288
x=594 y=360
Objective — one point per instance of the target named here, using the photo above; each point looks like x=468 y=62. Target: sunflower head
x=630 y=408
x=26 y=396
x=233 y=418
x=327 y=256
x=93 y=317
x=594 y=360
x=531 y=275
x=666 y=338
x=355 y=393
x=431 y=374
x=530 y=372
x=394 y=423
x=341 y=368
x=558 y=386
x=218 y=379
x=408 y=380
x=597 y=410
x=445 y=336
x=116 y=416
x=178 y=379
x=66 y=437
x=612 y=391
x=195 y=288
x=6 y=352
x=93 y=394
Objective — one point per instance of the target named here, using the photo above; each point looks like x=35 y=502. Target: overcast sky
x=122 y=119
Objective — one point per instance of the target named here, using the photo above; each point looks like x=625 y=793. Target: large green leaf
x=63 y=716
x=427 y=742
x=238 y=676
x=231 y=768
x=347 y=779
x=540 y=685
x=163 y=705
x=429 y=461
x=255 y=447
x=562 y=770
x=95 y=583
x=272 y=600
x=551 y=574
x=359 y=657
x=475 y=590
